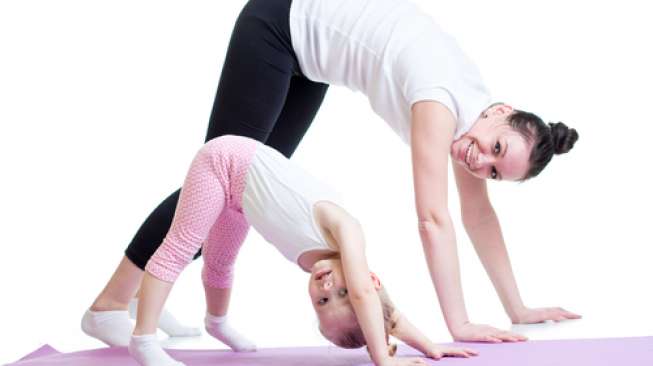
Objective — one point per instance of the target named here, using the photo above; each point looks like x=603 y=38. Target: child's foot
x=218 y=327
x=167 y=323
x=147 y=351
x=111 y=327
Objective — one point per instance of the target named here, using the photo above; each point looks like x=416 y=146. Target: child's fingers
x=417 y=361
x=436 y=355
x=470 y=352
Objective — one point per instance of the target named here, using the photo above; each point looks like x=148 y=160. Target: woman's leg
x=108 y=320
x=302 y=103
x=122 y=287
x=254 y=83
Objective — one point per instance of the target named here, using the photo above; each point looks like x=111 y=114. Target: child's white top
x=391 y=51
x=278 y=202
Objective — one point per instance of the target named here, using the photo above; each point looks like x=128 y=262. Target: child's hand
x=470 y=332
x=539 y=315
x=436 y=352
x=404 y=361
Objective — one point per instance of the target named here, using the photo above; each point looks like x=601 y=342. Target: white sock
x=167 y=323
x=111 y=327
x=218 y=327
x=148 y=352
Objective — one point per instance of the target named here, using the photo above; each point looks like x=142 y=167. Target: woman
x=282 y=57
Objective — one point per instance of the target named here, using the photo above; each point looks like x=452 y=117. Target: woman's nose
x=482 y=160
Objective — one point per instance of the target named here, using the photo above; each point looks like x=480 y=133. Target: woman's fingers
x=569 y=314
x=560 y=314
x=491 y=339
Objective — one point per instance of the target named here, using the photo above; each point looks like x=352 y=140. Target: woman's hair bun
x=563 y=137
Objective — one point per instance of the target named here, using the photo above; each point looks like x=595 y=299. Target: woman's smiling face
x=492 y=149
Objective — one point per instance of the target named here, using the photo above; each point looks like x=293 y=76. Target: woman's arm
x=482 y=226
x=432 y=133
x=433 y=127
x=484 y=230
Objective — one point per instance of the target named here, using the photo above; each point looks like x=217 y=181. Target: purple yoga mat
x=594 y=352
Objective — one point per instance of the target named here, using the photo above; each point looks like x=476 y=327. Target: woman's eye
x=493 y=174
x=497 y=147
x=343 y=292
x=323 y=301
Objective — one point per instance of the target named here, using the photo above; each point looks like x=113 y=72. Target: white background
x=103 y=105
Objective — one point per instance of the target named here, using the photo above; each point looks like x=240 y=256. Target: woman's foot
x=168 y=323
x=111 y=327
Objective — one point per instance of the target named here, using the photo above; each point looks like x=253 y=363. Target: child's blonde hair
x=352 y=336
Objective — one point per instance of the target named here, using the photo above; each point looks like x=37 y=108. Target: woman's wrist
x=515 y=312
x=455 y=324
x=456 y=328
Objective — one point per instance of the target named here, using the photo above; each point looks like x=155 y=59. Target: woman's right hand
x=470 y=332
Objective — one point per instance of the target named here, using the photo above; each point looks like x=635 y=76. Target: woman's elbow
x=432 y=220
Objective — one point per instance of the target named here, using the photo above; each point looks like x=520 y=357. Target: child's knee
x=218 y=277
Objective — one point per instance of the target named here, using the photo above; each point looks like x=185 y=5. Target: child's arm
x=362 y=294
x=347 y=236
x=409 y=334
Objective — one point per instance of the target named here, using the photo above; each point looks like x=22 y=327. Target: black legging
x=262 y=94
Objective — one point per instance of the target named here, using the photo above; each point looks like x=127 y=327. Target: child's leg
x=203 y=198
x=220 y=253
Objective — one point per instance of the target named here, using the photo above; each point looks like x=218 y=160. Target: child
x=234 y=182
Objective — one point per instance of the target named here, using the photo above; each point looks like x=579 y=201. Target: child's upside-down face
x=329 y=296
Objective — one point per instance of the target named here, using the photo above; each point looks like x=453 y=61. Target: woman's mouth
x=468 y=154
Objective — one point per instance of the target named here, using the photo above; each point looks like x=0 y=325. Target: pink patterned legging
x=209 y=212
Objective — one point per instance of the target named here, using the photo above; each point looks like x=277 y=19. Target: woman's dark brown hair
x=548 y=139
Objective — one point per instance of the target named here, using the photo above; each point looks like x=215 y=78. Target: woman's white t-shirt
x=392 y=52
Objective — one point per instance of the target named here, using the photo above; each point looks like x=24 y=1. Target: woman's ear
x=503 y=109
x=498 y=109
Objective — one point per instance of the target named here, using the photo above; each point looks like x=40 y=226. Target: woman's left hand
x=436 y=352
x=540 y=315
